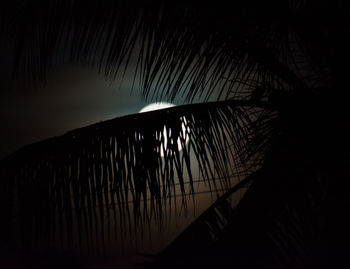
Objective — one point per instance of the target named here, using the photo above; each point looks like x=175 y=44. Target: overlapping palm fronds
x=250 y=52
x=116 y=168
x=178 y=48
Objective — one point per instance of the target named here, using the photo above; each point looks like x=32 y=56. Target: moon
x=185 y=129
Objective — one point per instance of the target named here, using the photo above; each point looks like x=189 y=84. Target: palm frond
x=200 y=236
x=285 y=229
x=113 y=173
x=175 y=48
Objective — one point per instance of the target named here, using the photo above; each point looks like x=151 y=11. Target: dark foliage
x=279 y=69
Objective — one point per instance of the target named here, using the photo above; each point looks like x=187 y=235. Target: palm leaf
x=173 y=48
x=113 y=172
x=200 y=236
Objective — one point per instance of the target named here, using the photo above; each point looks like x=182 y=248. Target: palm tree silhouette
x=277 y=123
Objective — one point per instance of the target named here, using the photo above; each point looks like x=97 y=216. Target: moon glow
x=185 y=129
